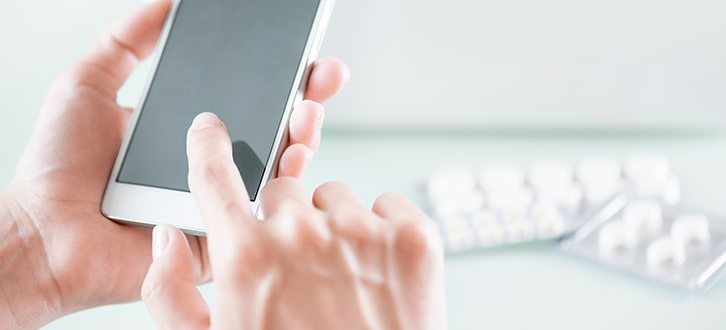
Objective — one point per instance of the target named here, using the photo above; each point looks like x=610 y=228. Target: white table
x=523 y=287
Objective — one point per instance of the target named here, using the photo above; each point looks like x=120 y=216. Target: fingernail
x=160 y=239
x=204 y=120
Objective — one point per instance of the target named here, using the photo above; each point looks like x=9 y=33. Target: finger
x=284 y=195
x=306 y=123
x=348 y=215
x=415 y=235
x=108 y=63
x=292 y=219
x=294 y=160
x=326 y=79
x=396 y=207
x=215 y=182
x=202 y=269
x=168 y=289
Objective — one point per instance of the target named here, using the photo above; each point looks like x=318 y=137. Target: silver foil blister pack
x=506 y=204
x=674 y=245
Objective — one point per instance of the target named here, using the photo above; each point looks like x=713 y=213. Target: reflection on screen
x=236 y=58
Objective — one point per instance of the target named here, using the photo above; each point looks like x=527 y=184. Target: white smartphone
x=245 y=60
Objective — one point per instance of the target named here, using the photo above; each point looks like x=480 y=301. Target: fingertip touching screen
x=235 y=58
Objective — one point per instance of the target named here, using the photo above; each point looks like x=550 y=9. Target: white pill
x=616 y=236
x=462 y=204
x=445 y=183
x=665 y=251
x=490 y=234
x=598 y=170
x=551 y=225
x=550 y=174
x=669 y=190
x=520 y=198
x=643 y=216
x=458 y=233
x=647 y=167
x=671 y=194
x=543 y=208
x=571 y=196
x=484 y=217
x=597 y=193
x=501 y=179
x=514 y=215
x=460 y=240
x=691 y=229
x=520 y=230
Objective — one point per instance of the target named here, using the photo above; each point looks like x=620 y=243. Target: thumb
x=168 y=290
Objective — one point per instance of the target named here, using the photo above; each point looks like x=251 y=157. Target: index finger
x=215 y=182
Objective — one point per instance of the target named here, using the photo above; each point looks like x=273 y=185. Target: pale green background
x=525 y=287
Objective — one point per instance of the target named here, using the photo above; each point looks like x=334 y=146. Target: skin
x=59 y=254
x=321 y=263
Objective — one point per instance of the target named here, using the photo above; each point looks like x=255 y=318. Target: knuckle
x=245 y=257
x=329 y=188
x=358 y=226
x=152 y=286
x=418 y=240
x=281 y=183
x=308 y=235
x=212 y=169
x=390 y=199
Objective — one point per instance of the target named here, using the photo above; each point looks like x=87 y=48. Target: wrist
x=29 y=294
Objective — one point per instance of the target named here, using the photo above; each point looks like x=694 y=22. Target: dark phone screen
x=236 y=58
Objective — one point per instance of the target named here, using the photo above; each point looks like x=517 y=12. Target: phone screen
x=236 y=58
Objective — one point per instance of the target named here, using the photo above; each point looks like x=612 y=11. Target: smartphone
x=246 y=61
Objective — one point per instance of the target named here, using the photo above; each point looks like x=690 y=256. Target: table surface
x=521 y=287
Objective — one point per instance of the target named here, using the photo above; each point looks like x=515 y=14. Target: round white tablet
x=598 y=170
x=615 y=236
x=461 y=204
x=571 y=196
x=445 y=183
x=457 y=232
x=501 y=179
x=520 y=230
x=596 y=193
x=671 y=194
x=551 y=225
x=665 y=251
x=520 y=198
x=550 y=174
x=484 y=217
x=648 y=167
x=543 y=208
x=643 y=216
x=514 y=214
x=691 y=229
x=490 y=234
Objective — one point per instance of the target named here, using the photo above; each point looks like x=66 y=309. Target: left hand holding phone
x=59 y=254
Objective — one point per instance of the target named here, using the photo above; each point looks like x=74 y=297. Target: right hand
x=326 y=263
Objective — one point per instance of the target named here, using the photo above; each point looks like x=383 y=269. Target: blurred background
x=468 y=83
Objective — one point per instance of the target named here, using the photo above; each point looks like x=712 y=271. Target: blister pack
x=674 y=245
x=505 y=204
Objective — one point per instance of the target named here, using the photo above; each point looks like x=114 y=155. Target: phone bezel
x=149 y=206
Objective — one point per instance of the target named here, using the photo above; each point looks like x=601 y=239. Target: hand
x=325 y=264
x=61 y=253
